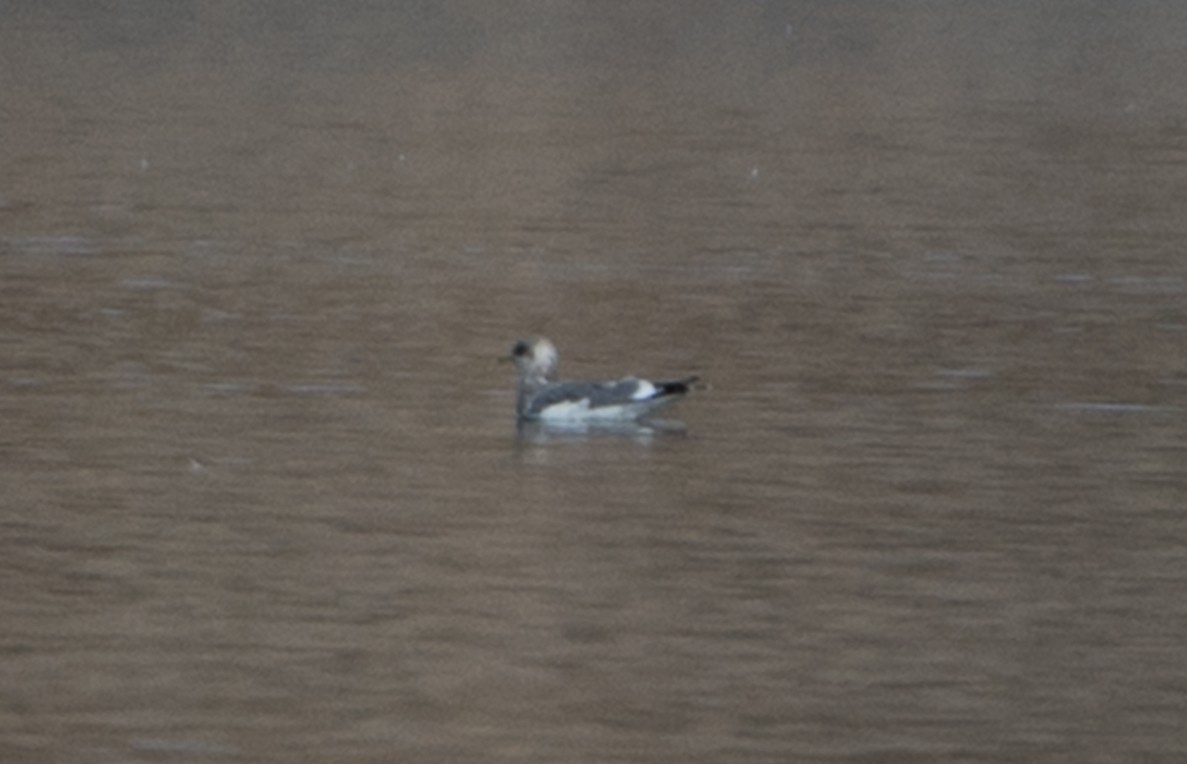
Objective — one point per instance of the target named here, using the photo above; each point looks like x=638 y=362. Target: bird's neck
x=529 y=385
x=533 y=383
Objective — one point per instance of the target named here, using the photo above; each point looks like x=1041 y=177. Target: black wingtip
x=677 y=386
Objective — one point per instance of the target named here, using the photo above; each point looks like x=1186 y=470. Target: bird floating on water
x=542 y=398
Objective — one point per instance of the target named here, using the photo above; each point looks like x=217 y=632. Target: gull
x=542 y=398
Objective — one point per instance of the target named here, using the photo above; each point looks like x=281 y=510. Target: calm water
x=263 y=498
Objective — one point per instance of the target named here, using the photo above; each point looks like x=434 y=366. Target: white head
x=536 y=359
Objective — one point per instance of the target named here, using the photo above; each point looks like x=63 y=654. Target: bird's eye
x=520 y=349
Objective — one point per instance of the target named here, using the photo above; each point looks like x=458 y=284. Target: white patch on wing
x=644 y=391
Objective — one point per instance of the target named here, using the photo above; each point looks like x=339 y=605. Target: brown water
x=263 y=495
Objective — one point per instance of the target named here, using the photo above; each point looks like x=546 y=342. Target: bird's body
x=542 y=398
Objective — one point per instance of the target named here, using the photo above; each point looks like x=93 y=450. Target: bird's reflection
x=642 y=431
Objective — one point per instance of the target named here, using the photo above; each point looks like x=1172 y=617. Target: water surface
x=264 y=499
